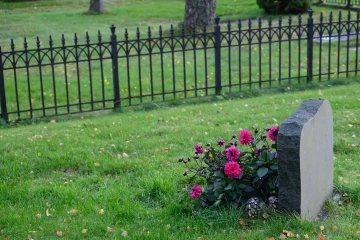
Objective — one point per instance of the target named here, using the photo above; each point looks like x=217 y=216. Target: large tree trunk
x=96 y=6
x=199 y=13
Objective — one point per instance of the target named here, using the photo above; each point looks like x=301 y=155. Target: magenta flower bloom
x=232 y=153
x=220 y=142
x=196 y=191
x=245 y=137
x=232 y=169
x=199 y=149
x=256 y=152
x=273 y=132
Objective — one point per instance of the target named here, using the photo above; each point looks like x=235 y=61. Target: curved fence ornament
x=165 y=64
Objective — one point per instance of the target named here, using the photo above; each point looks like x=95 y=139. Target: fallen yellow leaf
x=101 y=211
x=322 y=228
x=84 y=230
x=306 y=236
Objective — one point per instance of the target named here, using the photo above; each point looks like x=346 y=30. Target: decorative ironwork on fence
x=71 y=78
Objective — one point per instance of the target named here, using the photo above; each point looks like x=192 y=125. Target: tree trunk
x=199 y=13
x=96 y=6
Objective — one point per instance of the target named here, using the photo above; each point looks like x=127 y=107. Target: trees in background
x=96 y=6
x=199 y=13
x=284 y=6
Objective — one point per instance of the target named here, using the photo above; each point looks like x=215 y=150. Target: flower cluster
x=234 y=173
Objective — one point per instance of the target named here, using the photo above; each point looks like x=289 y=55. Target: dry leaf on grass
x=47 y=212
x=58 y=232
x=282 y=236
x=358 y=213
x=321 y=236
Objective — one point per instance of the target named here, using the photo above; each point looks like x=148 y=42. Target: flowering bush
x=233 y=173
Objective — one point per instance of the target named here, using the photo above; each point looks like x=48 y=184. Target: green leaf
x=270 y=156
x=218 y=193
x=220 y=196
x=243 y=186
x=228 y=187
x=263 y=156
x=218 y=184
x=259 y=163
x=219 y=174
x=233 y=195
x=274 y=167
x=249 y=189
x=211 y=197
x=262 y=172
x=255 y=180
x=274 y=146
x=217 y=203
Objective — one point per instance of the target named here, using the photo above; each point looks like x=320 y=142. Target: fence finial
x=290 y=19
x=63 y=39
x=50 y=41
x=137 y=33
x=12 y=45
x=149 y=32
x=112 y=29
x=99 y=36
x=171 y=30
x=87 y=38
x=160 y=31
x=310 y=11
x=126 y=34
x=239 y=24
x=217 y=20
x=38 y=42
x=75 y=39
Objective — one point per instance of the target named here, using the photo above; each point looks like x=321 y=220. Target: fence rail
x=72 y=78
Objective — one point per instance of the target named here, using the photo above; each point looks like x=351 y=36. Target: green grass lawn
x=107 y=176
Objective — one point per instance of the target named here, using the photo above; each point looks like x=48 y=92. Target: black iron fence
x=345 y=3
x=71 y=78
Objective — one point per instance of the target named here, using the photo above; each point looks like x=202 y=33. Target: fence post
x=115 y=70
x=4 y=114
x=217 y=57
x=348 y=4
x=310 y=39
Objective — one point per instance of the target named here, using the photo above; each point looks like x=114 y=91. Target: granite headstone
x=305 y=159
